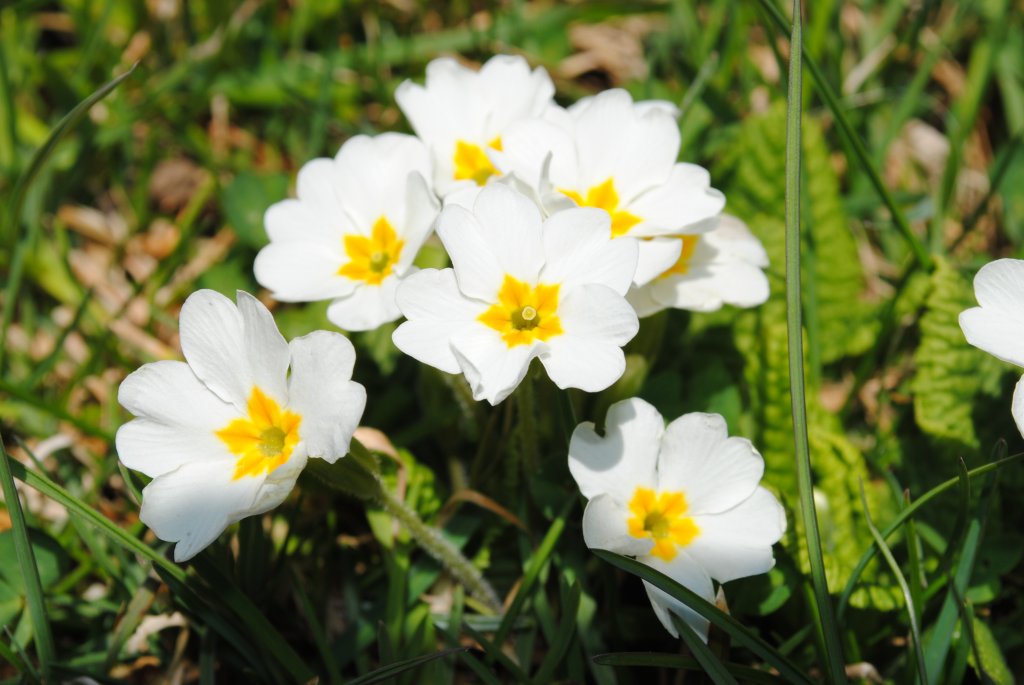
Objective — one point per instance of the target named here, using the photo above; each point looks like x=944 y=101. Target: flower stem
x=434 y=544
x=527 y=425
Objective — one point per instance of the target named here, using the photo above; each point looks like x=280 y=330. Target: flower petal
x=597 y=323
x=317 y=188
x=683 y=200
x=643 y=302
x=624 y=457
x=578 y=249
x=997 y=326
x=436 y=310
x=320 y=390
x=510 y=225
x=296 y=271
x=1017 y=408
x=528 y=143
x=738 y=542
x=705 y=288
x=265 y=348
x=477 y=269
x=715 y=471
x=655 y=257
x=605 y=527
x=367 y=307
x=305 y=221
x=687 y=572
x=492 y=368
x=177 y=418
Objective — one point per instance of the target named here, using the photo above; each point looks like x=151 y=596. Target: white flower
x=225 y=435
x=354 y=230
x=997 y=326
x=462 y=114
x=620 y=156
x=722 y=266
x=684 y=500
x=521 y=289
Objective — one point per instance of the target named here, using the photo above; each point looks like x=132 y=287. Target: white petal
x=266 y=350
x=305 y=221
x=715 y=471
x=705 y=288
x=642 y=301
x=685 y=199
x=730 y=238
x=624 y=458
x=655 y=257
x=738 y=542
x=367 y=307
x=605 y=527
x=477 y=268
x=436 y=310
x=512 y=91
x=296 y=271
x=597 y=323
x=194 y=503
x=689 y=573
x=178 y=416
x=1017 y=408
x=579 y=249
x=492 y=368
x=528 y=143
x=321 y=391
x=421 y=210
x=318 y=190
x=510 y=225
x=997 y=326
x=373 y=172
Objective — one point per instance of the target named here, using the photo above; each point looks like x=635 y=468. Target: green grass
x=101 y=242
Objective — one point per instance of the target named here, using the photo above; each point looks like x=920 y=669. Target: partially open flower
x=722 y=266
x=997 y=325
x=683 y=499
x=462 y=115
x=620 y=156
x=354 y=230
x=521 y=289
x=225 y=435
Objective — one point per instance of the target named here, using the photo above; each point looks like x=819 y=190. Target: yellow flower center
x=472 y=163
x=682 y=264
x=265 y=439
x=524 y=313
x=372 y=259
x=661 y=517
x=604 y=196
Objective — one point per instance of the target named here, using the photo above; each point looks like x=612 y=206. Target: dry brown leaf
x=173 y=183
x=614 y=48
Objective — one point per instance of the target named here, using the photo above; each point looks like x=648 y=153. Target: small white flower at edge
x=683 y=499
x=997 y=325
x=462 y=114
x=522 y=288
x=354 y=230
x=610 y=152
x=225 y=435
x=722 y=266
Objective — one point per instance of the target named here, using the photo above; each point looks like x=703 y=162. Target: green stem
x=833 y=647
x=527 y=425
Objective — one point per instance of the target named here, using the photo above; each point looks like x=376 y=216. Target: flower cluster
x=563 y=227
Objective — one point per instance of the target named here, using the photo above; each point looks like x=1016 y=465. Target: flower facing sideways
x=462 y=114
x=722 y=266
x=352 y=233
x=522 y=288
x=225 y=435
x=683 y=499
x=609 y=152
x=997 y=325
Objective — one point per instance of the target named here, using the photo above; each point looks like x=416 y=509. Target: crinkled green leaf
x=993 y=663
x=950 y=373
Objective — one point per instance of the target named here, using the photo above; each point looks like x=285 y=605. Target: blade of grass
x=869 y=553
x=8 y=655
x=494 y=653
x=683 y=663
x=391 y=670
x=705 y=657
x=739 y=633
x=34 y=597
x=319 y=636
x=563 y=636
x=833 y=656
x=908 y=598
x=921 y=255
x=540 y=558
x=17 y=199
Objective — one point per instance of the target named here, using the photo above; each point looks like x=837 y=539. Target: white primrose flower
x=684 y=500
x=462 y=115
x=225 y=435
x=997 y=326
x=522 y=288
x=609 y=152
x=725 y=265
x=354 y=230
